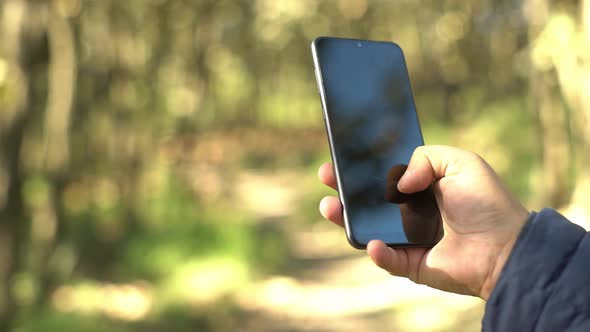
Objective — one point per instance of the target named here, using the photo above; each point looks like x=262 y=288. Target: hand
x=481 y=221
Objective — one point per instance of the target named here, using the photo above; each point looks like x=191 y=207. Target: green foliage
x=180 y=229
x=69 y=322
x=168 y=149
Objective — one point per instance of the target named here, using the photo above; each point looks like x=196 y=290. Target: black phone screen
x=373 y=129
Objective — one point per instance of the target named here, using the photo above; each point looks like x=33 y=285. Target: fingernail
x=322 y=204
x=324 y=207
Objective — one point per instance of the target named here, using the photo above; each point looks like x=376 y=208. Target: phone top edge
x=316 y=40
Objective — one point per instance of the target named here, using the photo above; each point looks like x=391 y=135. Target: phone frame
x=320 y=86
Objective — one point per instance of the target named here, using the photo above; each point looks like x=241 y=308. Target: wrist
x=492 y=278
x=502 y=258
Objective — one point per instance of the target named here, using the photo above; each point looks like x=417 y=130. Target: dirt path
x=332 y=287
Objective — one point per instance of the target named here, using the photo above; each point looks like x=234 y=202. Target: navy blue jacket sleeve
x=545 y=284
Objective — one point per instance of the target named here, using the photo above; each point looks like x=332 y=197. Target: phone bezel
x=320 y=85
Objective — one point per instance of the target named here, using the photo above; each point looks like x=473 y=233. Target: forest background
x=158 y=158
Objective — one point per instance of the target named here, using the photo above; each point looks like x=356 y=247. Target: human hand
x=481 y=221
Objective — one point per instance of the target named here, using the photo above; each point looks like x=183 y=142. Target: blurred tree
x=559 y=94
x=15 y=117
x=125 y=124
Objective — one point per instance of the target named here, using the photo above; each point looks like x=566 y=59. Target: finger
x=387 y=258
x=331 y=209
x=326 y=175
x=430 y=163
x=405 y=262
x=416 y=265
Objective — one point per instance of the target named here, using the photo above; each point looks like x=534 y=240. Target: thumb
x=431 y=163
x=402 y=262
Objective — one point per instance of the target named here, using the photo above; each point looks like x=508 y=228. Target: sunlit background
x=158 y=158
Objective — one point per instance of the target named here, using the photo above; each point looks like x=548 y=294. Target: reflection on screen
x=371 y=112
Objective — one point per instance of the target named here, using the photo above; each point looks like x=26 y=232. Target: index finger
x=326 y=175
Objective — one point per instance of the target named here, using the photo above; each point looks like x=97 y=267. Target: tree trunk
x=13 y=120
x=545 y=102
x=579 y=209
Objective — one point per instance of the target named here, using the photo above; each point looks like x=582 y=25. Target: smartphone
x=373 y=129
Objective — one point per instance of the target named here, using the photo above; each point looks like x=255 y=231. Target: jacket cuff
x=543 y=249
